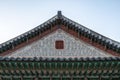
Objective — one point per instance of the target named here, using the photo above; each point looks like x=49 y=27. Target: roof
x=60 y=59
x=93 y=38
x=46 y=67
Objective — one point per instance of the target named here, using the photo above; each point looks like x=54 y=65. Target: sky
x=19 y=16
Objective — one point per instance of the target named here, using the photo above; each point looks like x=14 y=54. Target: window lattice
x=59 y=44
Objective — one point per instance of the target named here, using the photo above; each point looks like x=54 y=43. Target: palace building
x=60 y=49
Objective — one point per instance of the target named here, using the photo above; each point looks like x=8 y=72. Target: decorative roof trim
x=60 y=59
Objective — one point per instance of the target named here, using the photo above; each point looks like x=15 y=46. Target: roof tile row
x=60 y=59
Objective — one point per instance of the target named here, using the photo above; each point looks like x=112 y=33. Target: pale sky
x=19 y=16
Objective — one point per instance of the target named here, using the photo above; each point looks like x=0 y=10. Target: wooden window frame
x=59 y=44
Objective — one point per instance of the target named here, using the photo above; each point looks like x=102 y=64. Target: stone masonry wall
x=45 y=47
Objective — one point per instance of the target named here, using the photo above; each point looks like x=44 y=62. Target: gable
x=61 y=22
x=45 y=47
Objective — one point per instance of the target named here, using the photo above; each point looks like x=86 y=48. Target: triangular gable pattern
x=45 y=47
x=61 y=22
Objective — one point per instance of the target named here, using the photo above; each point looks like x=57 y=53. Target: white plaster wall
x=45 y=47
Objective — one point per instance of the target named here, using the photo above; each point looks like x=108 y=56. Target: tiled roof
x=59 y=19
x=60 y=59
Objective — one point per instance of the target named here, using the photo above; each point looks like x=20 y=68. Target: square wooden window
x=59 y=44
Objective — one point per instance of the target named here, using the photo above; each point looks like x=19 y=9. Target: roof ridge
x=39 y=26
x=58 y=19
x=93 y=32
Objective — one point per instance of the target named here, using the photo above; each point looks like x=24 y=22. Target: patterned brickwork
x=45 y=47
